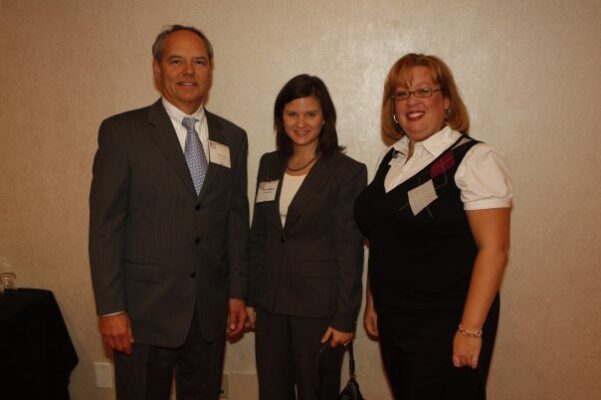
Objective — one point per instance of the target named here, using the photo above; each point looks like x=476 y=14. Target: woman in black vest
x=437 y=219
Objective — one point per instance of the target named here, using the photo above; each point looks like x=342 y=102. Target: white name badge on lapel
x=219 y=154
x=421 y=196
x=267 y=191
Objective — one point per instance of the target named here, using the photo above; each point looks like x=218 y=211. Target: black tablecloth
x=36 y=353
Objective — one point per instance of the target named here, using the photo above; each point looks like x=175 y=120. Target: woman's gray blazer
x=312 y=266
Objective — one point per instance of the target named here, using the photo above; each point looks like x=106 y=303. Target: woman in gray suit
x=306 y=251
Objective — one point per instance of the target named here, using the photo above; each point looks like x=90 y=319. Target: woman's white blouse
x=290 y=185
x=482 y=177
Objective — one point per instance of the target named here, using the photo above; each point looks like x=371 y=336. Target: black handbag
x=351 y=390
x=326 y=359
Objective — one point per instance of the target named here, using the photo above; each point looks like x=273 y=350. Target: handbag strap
x=351 y=360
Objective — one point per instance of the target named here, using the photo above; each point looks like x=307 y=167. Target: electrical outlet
x=223 y=393
x=104 y=374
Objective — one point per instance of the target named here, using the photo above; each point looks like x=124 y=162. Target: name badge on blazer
x=267 y=191
x=219 y=154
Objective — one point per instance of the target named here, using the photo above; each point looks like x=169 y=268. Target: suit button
x=282 y=239
x=193 y=275
x=197 y=207
x=197 y=240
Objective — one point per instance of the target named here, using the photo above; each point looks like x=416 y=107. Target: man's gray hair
x=159 y=44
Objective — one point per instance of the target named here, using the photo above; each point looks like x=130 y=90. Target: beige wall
x=530 y=75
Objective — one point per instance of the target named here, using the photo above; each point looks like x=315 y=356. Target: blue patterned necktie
x=195 y=154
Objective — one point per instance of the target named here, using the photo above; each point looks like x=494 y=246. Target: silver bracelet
x=469 y=332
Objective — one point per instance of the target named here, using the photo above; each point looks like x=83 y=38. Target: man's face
x=183 y=74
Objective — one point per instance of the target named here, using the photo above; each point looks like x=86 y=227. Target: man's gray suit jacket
x=157 y=250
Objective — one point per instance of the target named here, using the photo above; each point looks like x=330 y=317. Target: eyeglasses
x=421 y=93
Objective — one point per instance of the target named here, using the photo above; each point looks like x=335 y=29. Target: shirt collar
x=434 y=145
x=178 y=115
x=402 y=145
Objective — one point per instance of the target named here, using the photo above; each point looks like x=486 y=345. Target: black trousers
x=148 y=373
x=417 y=352
x=287 y=350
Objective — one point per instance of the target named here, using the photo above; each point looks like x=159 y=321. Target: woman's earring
x=396 y=125
x=447 y=112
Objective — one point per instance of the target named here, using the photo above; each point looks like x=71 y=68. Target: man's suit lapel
x=312 y=185
x=166 y=138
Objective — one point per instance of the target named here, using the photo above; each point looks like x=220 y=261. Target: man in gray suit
x=169 y=230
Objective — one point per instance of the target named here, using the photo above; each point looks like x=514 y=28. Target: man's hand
x=252 y=317
x=236 y=318
x=116 y=332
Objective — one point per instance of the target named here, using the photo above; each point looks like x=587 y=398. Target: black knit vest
x=421 y=251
